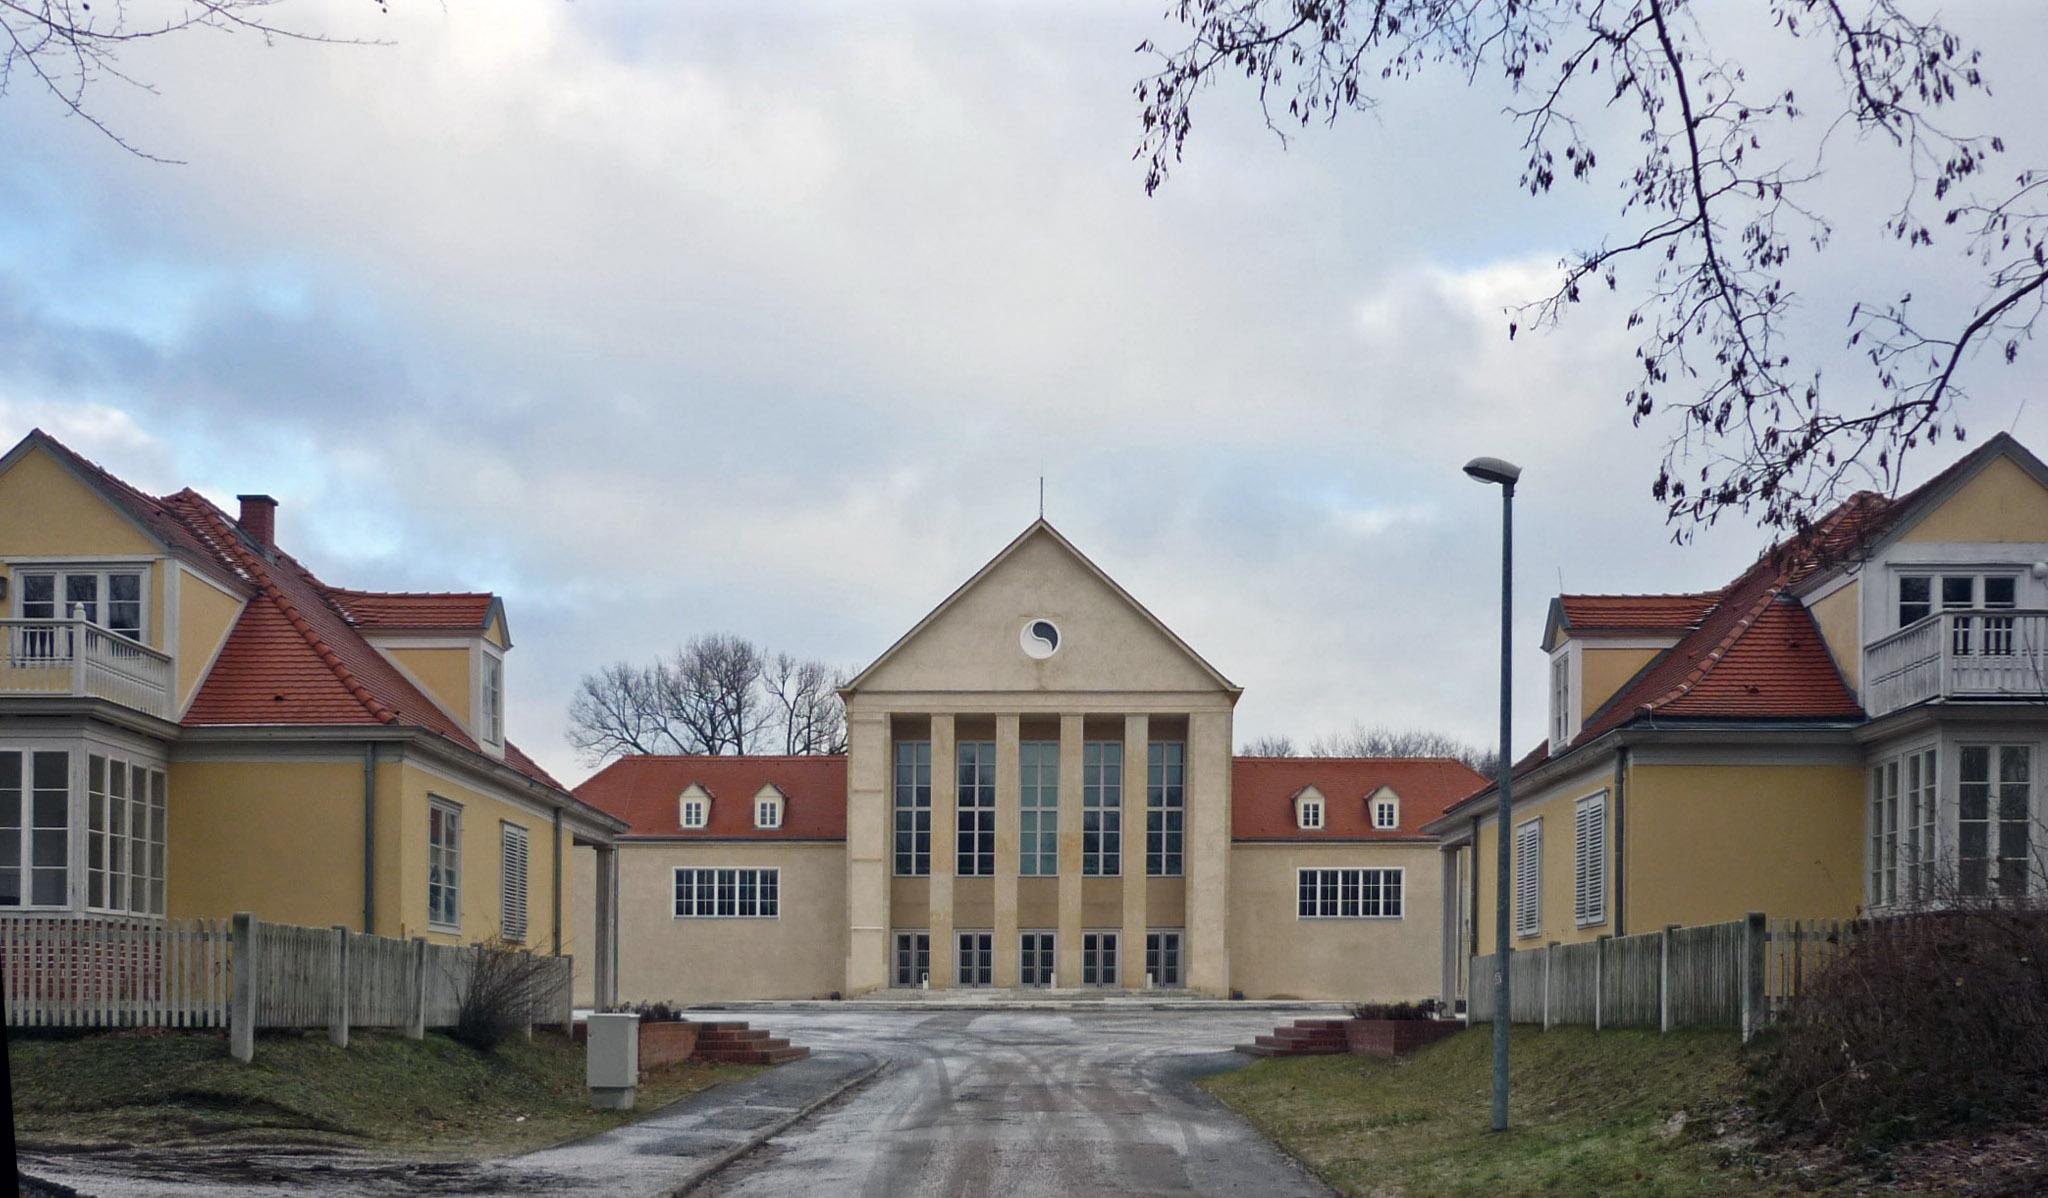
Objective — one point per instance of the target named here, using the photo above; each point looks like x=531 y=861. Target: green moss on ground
x=430 y=1097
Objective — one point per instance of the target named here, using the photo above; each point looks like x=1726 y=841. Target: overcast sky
x=663 y=319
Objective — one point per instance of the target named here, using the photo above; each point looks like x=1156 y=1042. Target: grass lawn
x=1590 y=1115
x=430 y=1097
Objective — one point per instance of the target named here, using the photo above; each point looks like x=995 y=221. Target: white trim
x=1590 y=870
x=101 y=569
x=1400 y=872
x=759 y=872
x=447 y=807
x=1532 y=926
x=510 y=834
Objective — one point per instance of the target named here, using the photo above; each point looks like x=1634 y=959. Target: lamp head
x=1493 y=470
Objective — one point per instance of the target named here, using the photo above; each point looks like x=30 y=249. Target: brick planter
x=1391 y=1038
x=663 y=1043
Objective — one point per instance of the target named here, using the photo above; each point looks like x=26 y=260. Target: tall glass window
x=124 y=836
x=1038 y=842
x=444 y=864
x=913 y=808
x=1995 y=812
x=35 y=828
x=1102 y=808
x=975 y=810
x=1165 y=808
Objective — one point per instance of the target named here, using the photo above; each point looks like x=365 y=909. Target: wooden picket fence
x=1735 y=974
x=240 y=974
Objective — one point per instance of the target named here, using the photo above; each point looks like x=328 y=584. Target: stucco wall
x=1602 y=671
x=799 y=954
x=445 y=674
x=483 y=815
x=1276 y=954
x=2001 y=504
x=1839 y=617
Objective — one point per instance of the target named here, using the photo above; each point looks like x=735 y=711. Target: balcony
x=79 y=660
x=1958 y=655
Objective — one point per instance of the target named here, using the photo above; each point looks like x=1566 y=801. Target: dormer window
x=494 y=699
x=768 y=808
x=696 y=807
x=1308 y=809
x=1563 y=710
x=1386 y=810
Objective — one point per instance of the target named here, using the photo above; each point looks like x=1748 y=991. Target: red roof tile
x=464 y=610
x=1262 y=791
x=1594 y=615
x=645 y=792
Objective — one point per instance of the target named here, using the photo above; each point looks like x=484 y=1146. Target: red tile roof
x=1262 y=791
x=644 y=791
x=1595 y=615
x=467 y=611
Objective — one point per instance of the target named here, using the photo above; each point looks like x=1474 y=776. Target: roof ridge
x=260 y=574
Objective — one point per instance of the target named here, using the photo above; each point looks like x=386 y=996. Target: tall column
x=1137 y=742
x=1067 y=944
x=605 y=975
x=870 y=833
x=945 y=831
x=1205 y=943
x=1009 y=788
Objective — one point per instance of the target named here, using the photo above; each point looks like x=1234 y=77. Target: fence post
x=1549 y=951
x=1664 y=979
x=1599 y=980
x=1752 y=974
x=242 y=1016
x=337 y=1023
x=416 y=1024
x=526 y=971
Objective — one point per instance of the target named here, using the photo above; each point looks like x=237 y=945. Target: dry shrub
x=500 y=994
x=1927 y=1023
x=1404 y=1011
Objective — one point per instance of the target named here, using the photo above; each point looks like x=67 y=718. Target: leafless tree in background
x=719 y=694
x=1379 y=741
x=67 y=48
x=1718 y=197
x=1269 y=746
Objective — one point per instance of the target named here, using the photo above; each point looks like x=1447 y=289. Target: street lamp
x=1494 y=470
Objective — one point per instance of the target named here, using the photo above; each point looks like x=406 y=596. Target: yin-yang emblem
x=1040 y=639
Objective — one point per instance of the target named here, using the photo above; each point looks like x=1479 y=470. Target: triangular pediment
x=982 y=639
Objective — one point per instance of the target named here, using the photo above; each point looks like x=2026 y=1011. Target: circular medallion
x=1040 y=639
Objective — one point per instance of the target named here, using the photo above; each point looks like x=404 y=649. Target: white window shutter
x=1589 y=861
x=512 y=913
x=1529 y=878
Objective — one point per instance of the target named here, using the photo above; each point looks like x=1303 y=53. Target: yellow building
x=1851 y=726
x=192 y=724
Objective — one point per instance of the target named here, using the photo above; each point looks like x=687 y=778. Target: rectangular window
x=1098 y=958
x=1162 y=958
x=1995 y=806
x=913 y=958
x=512 y=885
x=913 y=808
x=1035 y=959
x=1922 y=790
x=494 y=700
x=1038 y=841
x=1589 y=861
x=1884 y=833
x=35 y=828
x=975 y=966
x=728 y=893
x=975 y=810
x=1165 y=808
x=1561 y=698
x=112 y=599
x=124 y=836
x=1348 y=893
x=1529 y=878
x=1102 y=808
x=444 y=864
x=694 y=813
x=768 y=813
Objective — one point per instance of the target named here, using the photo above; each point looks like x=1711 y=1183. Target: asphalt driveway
x=1057 y=1103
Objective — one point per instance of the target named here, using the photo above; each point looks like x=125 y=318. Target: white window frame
x=491 y=698
x=123 y=842
x=1389 y=807
x=768 y=810
x=1528 y=898
x=725 y=892
x=699 y=804
x=1995 y=780
x=1102 y=808
x=103 y=571
x=1309 y=810
x=1325 y=892
x=448 y=857
x=1589 y=861
x=514 y=856
x=1038 y=809
x=73 y=869
x=1562 y=725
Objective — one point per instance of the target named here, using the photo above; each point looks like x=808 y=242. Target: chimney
x=259 y=519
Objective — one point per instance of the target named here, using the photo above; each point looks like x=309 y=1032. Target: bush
x=499 y=994
x=1403 y=1011
x=652 y=1012
x=1925 y=1024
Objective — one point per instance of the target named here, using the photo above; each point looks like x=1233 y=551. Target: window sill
x=446 y=929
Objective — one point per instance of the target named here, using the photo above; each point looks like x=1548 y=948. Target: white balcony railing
x=80 y=660
x=1959 y=655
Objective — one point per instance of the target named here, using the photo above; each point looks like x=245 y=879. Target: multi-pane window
x=913 y=808
x=1921 y=794
x=1038 y=813
x=1902 y=810
x=1102 y=808
x=913 y=958
x=1098 y=958
x=1921 y=595
x=1348 y=893
x=512 y=884
x=110 y=598
x=1308 y=810
x=1386 y=813
x=975 y=811
x=494 y=700
x=1529 y=878
x=1995 y=806
x=1035 y=959
x=975 y=965
x=1162 y=958
x=1165 y=808
x=696 y=813
x=768 y=812
x=124 y=836
x=1561 y=698
x=1589 y=861
x=728 y=893
x=444 y=864
x=35 y=828
x=1884 y=833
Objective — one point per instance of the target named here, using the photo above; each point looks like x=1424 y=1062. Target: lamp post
x=1494 y=470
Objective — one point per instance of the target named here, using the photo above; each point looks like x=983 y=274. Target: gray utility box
x=612 y=1060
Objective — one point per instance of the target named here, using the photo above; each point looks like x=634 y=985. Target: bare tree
x=1269 y=746
x=1382 y=741
x=1720 y=201
x=66 y=48
x=618 y=711
x=718 y=694
x=806 y=694
x=711 y=690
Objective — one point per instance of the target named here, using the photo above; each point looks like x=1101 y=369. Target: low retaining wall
x=661 y=1043
x=1391 y=1038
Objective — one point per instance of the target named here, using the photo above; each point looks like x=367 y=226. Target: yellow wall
x=45 y=509
x=2002 y=503
x=1840 y=617
x=206 y=614
x=482 y=842
x=1557 y=808
x=1276 y=954
x=799 y=954
x=1602 y=671
x=445 y=673
x=1711 y=843
x=496 y=635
